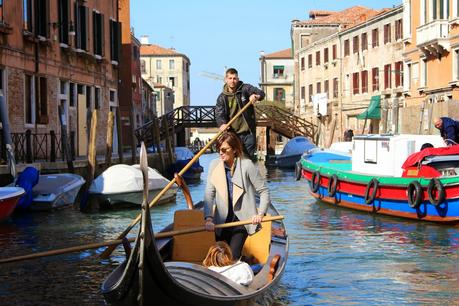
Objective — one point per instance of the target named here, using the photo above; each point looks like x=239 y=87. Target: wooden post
x=92 y=162
x=170 y=150
x=29 y=157
x=157 y=141
x=52 y=157
x=109 y=144
x=133 y=142
x=118 y=134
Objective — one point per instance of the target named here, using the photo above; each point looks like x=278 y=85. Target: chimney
x=144 y=39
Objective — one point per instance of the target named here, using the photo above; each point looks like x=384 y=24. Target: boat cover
x=10 y=192
x=320 y=156
x=27 y=179
x=183 y=153
x=297 y=145
x=417 y=157
x=125 y=178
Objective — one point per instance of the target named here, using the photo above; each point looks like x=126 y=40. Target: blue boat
x=183 y=156
x=291 y=153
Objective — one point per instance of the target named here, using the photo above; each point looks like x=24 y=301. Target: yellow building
x=431 y=63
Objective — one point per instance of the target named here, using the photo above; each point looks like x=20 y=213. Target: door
x=115 y=131
x=82 y=126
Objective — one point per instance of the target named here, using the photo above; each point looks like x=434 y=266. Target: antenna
x=212 y=75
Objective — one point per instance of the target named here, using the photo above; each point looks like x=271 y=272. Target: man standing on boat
x=449 y=129
x=234 y=96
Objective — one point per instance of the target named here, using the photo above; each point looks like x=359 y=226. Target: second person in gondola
x=231 y=186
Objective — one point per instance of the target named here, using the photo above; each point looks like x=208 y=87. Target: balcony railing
x=435 y=32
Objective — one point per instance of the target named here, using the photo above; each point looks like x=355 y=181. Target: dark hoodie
x=228 y=104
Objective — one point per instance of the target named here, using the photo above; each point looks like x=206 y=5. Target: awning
x=374 y=109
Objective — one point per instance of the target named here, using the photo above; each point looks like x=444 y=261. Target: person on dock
x=220 y=259
x=231 y=186
x=449 y=129
x=234 y=96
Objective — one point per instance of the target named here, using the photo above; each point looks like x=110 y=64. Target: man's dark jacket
x=243 y=93
x=450 y=129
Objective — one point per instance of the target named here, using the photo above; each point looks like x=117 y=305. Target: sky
x=216 y=35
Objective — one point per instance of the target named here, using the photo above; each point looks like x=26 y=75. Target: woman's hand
x=257 y=219
x=210 y=226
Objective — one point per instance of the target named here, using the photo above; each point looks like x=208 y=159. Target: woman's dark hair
x=426 y=145
x=233 y=140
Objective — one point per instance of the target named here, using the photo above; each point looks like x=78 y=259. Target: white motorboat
x=123 y=184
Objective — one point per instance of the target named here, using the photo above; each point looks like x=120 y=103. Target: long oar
x=120 y=241
x=110 y=249
x=145 y=217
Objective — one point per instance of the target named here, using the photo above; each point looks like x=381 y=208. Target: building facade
x=60 y=53
x=167 y=67
x=277 y=75
x=164 y=99
x=431 y=63
x=148 y=102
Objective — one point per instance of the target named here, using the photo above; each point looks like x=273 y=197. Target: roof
x=348 y=17
x=287 y=53
x=155 y=50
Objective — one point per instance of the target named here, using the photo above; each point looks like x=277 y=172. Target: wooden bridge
x=277 y=119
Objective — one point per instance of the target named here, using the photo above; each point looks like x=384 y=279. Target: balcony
x=432 y=38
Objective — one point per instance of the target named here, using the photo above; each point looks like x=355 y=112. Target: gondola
x=167 y=271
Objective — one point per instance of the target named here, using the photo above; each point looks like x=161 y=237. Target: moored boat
x=183 y=156
x=122 y=184
x=291 y=153
x=388 y=174
x=9 y=197
x=173 y=275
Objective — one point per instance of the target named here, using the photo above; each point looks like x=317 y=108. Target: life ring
x=369 y=198
x=332 y=185
x=315 y=181
x=415 y=194
x=297 y=171
x=436 y=188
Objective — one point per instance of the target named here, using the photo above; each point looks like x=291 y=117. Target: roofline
x=167 y=55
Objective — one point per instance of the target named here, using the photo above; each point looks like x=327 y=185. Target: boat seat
x=191 y=247
x=257 y=246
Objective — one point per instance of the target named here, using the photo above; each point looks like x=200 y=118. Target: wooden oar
x=110 y=249
x=186 y=191
x=120 y=241
x=145 y=217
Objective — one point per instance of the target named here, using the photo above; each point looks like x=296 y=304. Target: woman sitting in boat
x=220 y=259
x=231 y=186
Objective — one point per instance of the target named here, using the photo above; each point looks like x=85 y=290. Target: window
x=302 y=93
x=334 y=53
x=159 y=79
x=158 y=64
x=374 y=38
x=36 y=100
x=398 y=29
x=82 y=26
x=375 y=78
x=278 y=72
x=64 y=21
x=387 y=38
x=364 y=41
x=318 y=87
x=143 y=68
x=438 y=9
x=311 y=93
x=456 y=65
x=325 y=55
x=2 y=83
x=364 y=77
x=326 y=86
x=135 y=52
x=355 y=44
x=98 y=33
x=335 y=88
x=171 y=64
x=310 y=61
x=115 y=40
x=317 y=58
x=302 y=63
x=97 y=98
x=171 y=82
x=279 y=94
x=35 y=16
x=355 y=83
x=424 y=72
x=72 y=95
x=88 y=97
x=346 y=47
x=409 y=77
x=398 y=74
x=112 y=94
x=387 y=78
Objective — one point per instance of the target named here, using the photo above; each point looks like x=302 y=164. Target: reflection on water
x=337 y=256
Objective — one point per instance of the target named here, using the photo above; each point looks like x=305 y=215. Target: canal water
x=337 y=256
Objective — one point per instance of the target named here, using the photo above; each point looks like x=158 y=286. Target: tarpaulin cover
x=417 y=157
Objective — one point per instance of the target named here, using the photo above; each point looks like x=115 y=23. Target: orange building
x=431 y=63
x=59 y=53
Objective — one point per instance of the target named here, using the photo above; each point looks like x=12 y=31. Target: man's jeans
x=249 y=146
